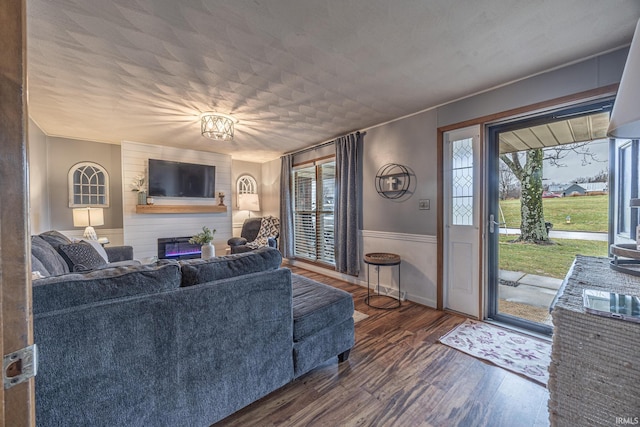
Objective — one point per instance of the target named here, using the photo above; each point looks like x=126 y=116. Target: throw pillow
x=55 y=238
x=269 y=227
x=97 y=246
x=48 y=257
x=38 y=267
x=81 y=256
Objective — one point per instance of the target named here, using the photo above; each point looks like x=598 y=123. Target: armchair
x=250 y=232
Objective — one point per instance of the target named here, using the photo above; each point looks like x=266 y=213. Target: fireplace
x=177 y=248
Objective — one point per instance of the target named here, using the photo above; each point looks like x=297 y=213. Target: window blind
x=314 y=195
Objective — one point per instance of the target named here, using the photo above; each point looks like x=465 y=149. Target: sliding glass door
x=314 y=191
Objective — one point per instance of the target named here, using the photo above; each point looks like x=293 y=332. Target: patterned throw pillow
x=269 y=227
x=81 y=256
x=96 y=245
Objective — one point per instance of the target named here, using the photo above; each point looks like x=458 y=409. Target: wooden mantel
x=177 y=209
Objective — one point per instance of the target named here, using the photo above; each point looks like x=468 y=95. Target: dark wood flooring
x=399 y=375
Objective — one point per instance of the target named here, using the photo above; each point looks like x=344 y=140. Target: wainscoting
x=419 y=267
x=142 y=230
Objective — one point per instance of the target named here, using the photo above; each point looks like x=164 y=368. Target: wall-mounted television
x=176 y=179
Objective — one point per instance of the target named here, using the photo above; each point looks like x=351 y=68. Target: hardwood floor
x=399 y=375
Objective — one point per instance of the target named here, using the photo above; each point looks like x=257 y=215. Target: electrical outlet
x=424 y=204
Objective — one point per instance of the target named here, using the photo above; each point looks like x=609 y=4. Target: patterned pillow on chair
x=269 y=227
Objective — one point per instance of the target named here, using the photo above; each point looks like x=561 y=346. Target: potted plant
x=138 y=185
x=204 y=239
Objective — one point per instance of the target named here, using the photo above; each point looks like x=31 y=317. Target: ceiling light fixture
x=217 y=126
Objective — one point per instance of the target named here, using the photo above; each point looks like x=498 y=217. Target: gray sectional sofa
x=178 y=344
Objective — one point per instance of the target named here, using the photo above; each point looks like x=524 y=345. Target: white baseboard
x=418 y=267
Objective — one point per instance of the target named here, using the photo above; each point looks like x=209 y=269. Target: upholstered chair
x=250 y=230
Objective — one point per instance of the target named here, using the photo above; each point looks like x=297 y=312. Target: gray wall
x=64 y=153
x=411 y=142
x=271 y=188
x=39 y=219
x=583 y=76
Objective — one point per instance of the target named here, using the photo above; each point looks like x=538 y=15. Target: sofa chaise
x=179 y=343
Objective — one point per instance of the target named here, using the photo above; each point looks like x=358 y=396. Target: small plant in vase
x=204 y=239
x=138 y=185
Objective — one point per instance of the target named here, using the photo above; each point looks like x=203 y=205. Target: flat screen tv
x=176 y=179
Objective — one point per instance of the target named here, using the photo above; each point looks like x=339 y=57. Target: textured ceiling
x=294 y=73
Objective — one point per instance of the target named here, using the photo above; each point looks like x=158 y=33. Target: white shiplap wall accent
x=142 y=230
x=419 y=266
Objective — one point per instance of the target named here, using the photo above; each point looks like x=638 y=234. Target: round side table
x=381 y=259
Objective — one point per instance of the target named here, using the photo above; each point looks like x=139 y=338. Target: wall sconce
x=88 y=217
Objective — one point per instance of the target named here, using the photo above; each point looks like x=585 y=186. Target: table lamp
x=248 y=202
x=88 y=217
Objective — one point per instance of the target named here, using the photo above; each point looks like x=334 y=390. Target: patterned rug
x=515 y=352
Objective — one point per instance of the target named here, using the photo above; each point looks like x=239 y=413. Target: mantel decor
x=392 y=181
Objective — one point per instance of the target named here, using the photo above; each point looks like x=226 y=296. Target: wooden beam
x=15 y=262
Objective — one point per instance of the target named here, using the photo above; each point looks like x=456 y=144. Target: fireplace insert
x=177 y=248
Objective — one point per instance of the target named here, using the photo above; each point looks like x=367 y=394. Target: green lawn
x=588 y=213
x=546 y=260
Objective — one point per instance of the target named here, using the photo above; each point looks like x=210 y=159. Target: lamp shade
x=88 y=217
x=248 y=202
x=625 y=118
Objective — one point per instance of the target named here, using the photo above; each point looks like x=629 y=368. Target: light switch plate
x=424 y=204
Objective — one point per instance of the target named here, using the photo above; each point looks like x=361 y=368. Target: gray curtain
x=347 y=206
x=286 y=208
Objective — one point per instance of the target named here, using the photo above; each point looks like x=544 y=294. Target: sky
x=574 y=168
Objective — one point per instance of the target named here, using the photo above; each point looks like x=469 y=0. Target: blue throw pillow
x=81 y=256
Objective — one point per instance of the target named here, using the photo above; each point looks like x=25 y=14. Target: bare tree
x=529 y=173
x=508 y=183
x=527 y=167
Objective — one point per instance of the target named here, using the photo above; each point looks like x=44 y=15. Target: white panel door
x=461 y=220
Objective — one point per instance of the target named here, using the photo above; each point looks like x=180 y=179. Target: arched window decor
x=246 y=185
x=88 y=185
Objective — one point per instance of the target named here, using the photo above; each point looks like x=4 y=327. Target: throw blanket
x=269 y=227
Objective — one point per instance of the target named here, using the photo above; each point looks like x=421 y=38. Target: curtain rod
x=322 y=144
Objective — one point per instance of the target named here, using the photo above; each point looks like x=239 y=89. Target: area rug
x=515 y=352
x=358 y=316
